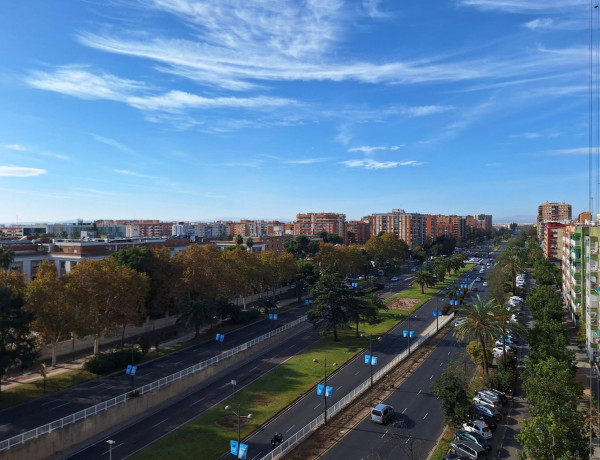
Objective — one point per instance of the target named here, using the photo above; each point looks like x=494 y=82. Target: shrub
x=244 y=316
x=504 y=378
x=111 y=361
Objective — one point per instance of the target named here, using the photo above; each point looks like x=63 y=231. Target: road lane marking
x=63 y=404
x=431 y=377
x=404 y=410
x=52 y=401
x=406 y=442
x=113 y=448
x=316 y=407
x=383 y=435
x=162 y=421
x=290 y=428
x=358 y=372
x=441 y=364
x=419 y=392
x=426 y=415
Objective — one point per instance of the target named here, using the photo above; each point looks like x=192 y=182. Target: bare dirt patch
x=402 y=304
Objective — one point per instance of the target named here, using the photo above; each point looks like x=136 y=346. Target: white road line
x=357 y=373
x=316 y=407
x=441 y=364
x=426 y=415
x=257 y=455
x=64 y=404
x=404 y=410
x=113 y=448
x=52 y=401
x=406 y=442
x=419 y=392
x=194 y=403
x=383 y=435
x=290 y=428
x=339 y=388
x=162 y=421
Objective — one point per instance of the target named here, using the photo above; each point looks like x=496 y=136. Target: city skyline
x=198 y=111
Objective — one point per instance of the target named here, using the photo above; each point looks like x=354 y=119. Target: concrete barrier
x=64 y=439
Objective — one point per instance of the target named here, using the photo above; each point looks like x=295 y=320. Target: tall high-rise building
x=551 y=212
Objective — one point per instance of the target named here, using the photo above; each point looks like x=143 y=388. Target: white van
x=382 y=413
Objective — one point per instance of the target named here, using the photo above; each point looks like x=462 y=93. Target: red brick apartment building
x=358 y=231
x=553 y=241
x=409 y=227
x=312 y=223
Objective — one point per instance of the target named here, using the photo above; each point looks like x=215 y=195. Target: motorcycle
x=276 y=440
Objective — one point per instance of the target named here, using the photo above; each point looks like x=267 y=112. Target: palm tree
x=482 y=324
x=514 y=263
x=6 y=258
x=423 y=278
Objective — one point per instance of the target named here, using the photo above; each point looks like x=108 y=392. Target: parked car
x=486 y=401
x=474 y=414
x=463 y=435
x=510 y=340
x=394 y=278
x=509 y=346
x=493 y=394
x=479 y=427
x=485 y=283
x=478 y=278
x=458 y=321
x=489 y=395
x=467 y=449
x=500 y=394
x=489 y=411
x=382 y=413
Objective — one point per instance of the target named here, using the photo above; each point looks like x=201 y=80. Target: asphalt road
x=40 y=411
x=345 y=380
x=417 y=425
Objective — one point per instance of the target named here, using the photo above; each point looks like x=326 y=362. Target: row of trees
x=557 y=428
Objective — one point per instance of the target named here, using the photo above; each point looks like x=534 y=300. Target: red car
x=474 y=288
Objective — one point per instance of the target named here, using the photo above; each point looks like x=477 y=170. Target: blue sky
x=196 y=110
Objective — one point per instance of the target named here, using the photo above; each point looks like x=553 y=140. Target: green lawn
x=29 y=391
x=273 y=392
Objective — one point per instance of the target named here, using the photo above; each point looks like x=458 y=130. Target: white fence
x=297 y=437
x=91 y=411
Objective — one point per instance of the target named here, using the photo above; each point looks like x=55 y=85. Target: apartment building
x=358 y=231
x=409 y=227
x=479 y=223
x=553 y=240
x=313 y=223
x=555 y=212
x=451 y=226
x=213 y=230
x=572 y=269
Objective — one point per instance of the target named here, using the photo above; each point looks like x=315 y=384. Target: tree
x=195 y=313
x=385 y=247
x=249 y=243
x=105 y=295
x=439 y=270
x=512 y=259
x=359 y=309
x=17 y=343
x=239 y=240
x=451 y=389
x=550 y=339
x=276 y=269
x=480 y=323
x=457 y=261
x=475 y=351
x=423 y=278
x=331 y=296
x=545 y=304
x=45 y=295
x=6 y=258
x=138 y=259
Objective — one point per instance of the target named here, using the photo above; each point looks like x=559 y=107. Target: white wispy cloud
x=368 y=149
x=426 y=110
x=125 y=172
x=372 y=164
x=573 y=151
x=526 y=136
x=372 y=9
x=16 y=147
x=397 y=147
x=307 y=161
x=79 y=82
x=525 y=6
x=112 y=143
x=20 y=171
x=243 y=45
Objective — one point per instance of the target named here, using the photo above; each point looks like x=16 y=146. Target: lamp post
x=325 y=388
x=110 y=444
x=372 y=359
x=249 y=416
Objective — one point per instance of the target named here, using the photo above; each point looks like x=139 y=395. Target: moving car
x=485 y=283
x=382 y=413
x=474 y=288
x=394 y=278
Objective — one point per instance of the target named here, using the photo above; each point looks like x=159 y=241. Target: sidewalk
x=16 y=379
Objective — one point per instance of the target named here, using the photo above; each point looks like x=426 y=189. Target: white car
x=394 y=278
x=458 y=321
x=479 y=427
x=485 y=283
x=486 y=400
x=497 y=352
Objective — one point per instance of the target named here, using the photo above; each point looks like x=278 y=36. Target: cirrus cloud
x=372 y=164
x=20 y=171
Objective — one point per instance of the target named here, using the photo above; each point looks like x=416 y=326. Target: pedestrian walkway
x=16 y=379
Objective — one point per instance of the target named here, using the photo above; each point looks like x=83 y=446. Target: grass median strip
x=207 y=436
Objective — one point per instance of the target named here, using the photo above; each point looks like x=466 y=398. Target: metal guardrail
x=105 y=405
x=297 y=437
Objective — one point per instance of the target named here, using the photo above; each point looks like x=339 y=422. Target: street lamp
x=110 y=444
x=249 y=416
